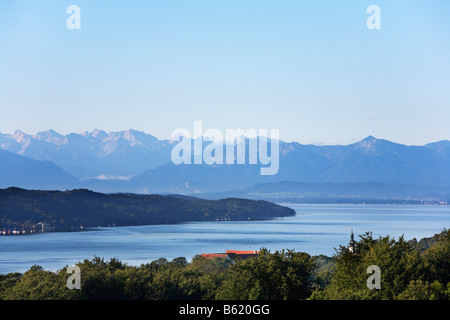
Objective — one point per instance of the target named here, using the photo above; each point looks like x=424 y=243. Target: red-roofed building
x=232 y=254
x=215 y=255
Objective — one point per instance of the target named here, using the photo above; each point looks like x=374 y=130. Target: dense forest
x=62 y=211
x=410 y=270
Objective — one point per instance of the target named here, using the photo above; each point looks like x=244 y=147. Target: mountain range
x=135 y=162
x=92 y=154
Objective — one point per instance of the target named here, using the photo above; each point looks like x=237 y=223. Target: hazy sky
x=311 y=69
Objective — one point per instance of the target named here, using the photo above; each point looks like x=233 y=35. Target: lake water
x=316 y=229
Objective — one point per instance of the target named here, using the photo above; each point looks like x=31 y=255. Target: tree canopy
x=406 y=273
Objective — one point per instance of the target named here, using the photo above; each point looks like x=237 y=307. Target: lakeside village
x=40 y=227
x=8 y=229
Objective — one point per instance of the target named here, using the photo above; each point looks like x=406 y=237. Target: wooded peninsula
x=34 y=210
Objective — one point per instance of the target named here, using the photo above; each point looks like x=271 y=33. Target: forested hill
x=71 y=209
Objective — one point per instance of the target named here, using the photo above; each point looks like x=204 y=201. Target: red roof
x=214 y=255
x=242 y=251
x=231 y=254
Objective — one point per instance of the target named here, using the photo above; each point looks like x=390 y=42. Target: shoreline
x=16 y=233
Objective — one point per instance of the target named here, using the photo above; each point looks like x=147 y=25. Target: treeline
x=63 y=211
x=409 y=270
x=406 y=273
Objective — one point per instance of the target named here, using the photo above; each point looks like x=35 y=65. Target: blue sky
x=311 y=69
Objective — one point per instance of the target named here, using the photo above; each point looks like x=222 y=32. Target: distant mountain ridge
x=136 y=162
x=362 y=192
x=18 y=170
x=91 y=154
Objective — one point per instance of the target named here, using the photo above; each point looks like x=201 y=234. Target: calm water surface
x=316 y=229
